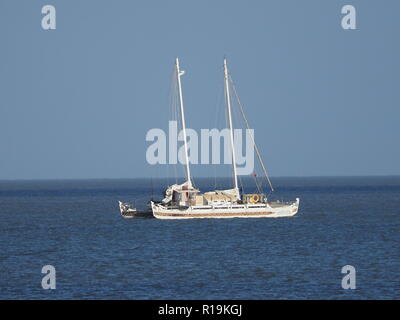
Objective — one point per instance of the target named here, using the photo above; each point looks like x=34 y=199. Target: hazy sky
x=77 y=102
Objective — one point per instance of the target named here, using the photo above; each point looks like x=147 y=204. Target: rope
x=217 y=116
x=251 y=135
x=227 y=126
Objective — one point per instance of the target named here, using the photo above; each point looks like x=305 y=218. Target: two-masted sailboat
x=183 y=201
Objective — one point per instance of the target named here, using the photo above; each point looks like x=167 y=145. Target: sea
x=75 y=226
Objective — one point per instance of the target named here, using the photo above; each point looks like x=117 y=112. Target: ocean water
x=75 y=226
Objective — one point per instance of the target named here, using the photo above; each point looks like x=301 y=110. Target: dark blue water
x=76 y=226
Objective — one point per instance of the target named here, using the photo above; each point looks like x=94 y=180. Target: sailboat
x=184 y=201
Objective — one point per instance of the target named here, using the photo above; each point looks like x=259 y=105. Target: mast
x=228 y=101
x=179 y=73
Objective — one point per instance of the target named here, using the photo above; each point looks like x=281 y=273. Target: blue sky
x=77 y=102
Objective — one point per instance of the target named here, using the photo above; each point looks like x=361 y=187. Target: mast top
x=181 y=72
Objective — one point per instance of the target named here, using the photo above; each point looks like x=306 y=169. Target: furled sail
x=175 y=187
x=229 y=194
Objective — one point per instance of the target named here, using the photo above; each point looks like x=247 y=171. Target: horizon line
x=208 y=177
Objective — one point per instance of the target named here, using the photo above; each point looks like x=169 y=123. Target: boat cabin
x=185 y=196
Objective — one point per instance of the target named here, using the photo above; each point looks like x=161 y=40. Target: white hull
x=126 y=210
x=226 y=211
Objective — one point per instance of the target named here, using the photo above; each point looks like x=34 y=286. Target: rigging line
x=241 y=184
x=175 y=114
x=171 y=116
x=251 y=135
x=259 y=190
x=257 y=182
x=183 y=169
x=217 y=115
x=237 y=123
x=240 y=122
